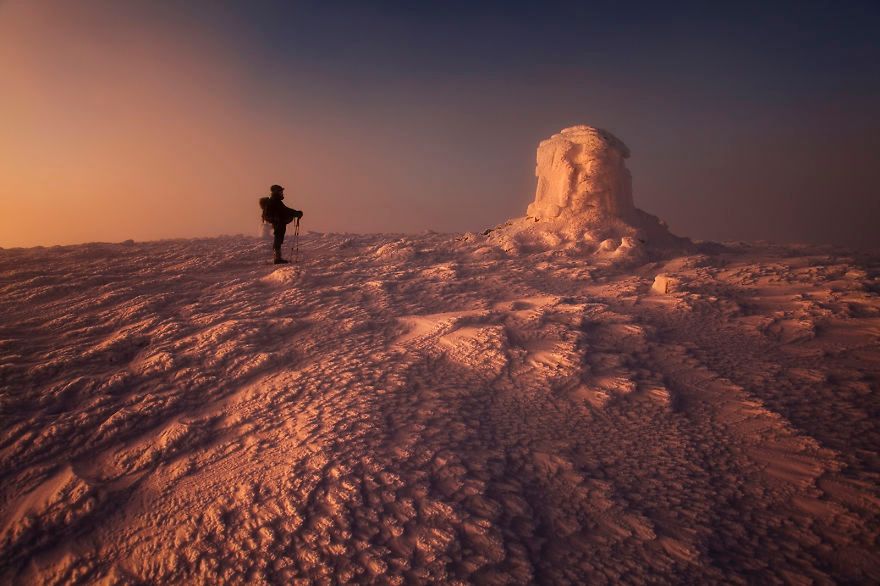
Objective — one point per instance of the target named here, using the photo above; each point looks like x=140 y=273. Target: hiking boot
x=281 y=261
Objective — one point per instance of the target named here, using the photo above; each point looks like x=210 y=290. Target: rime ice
x=584 y=204
x=582 y=170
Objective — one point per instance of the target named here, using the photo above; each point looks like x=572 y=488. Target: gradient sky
x=151 y=119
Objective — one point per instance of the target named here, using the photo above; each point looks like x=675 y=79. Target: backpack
x=264 y=205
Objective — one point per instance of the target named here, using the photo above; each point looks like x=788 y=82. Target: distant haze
x=149 y=120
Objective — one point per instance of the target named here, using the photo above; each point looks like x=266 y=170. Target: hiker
x=279 y=215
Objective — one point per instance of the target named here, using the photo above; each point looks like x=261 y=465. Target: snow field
x=406 y=409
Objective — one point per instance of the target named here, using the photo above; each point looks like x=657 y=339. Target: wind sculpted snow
x=432 y=409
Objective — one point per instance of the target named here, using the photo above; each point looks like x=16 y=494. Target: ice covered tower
x=584 y=205
x=581 y=171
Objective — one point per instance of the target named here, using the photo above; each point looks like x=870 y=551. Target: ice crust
x=406 y=409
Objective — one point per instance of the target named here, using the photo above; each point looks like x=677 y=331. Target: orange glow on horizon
x=110 y=135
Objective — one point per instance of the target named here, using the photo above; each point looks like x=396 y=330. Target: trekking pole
x=296 y=242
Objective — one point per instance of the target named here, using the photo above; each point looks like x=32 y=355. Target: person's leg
x=280 y=229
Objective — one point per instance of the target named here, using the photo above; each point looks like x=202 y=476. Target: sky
x=160 y=119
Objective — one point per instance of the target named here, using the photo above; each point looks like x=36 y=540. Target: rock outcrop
x=664 y=284
x=584 y=204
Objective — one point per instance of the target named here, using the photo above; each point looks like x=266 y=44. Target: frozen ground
x=430 y=408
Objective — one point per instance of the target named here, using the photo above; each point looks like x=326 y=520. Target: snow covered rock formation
x=584 y=204
x=582 y=170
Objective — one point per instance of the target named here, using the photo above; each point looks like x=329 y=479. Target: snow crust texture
x=433 y=409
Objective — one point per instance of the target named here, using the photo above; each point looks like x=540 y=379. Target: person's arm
x=296 y=213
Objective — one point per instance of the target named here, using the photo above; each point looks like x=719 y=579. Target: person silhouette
x=279 y=215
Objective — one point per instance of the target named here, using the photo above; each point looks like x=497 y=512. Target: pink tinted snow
x=433 y=408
